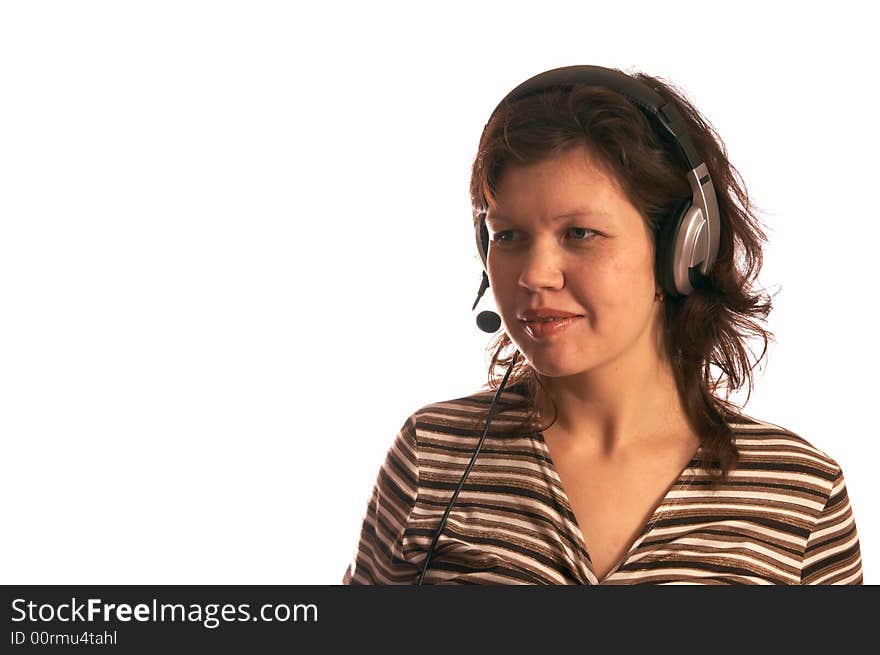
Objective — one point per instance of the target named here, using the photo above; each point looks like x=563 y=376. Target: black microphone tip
x=488 y=321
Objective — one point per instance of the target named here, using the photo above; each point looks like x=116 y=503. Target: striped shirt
x=782 y=517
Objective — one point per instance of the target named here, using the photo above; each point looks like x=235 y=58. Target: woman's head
x=566 y=240
x=582 y=146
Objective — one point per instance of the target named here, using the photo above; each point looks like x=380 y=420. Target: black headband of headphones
x=637 y=92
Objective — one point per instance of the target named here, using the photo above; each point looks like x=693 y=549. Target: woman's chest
x=615 y=503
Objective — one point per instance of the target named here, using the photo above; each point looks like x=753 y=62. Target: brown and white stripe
x=783 y=516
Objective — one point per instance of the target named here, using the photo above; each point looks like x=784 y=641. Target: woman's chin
x=553 y=367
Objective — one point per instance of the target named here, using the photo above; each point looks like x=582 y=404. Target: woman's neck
x=614 y=407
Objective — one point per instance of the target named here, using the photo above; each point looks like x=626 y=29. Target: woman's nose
x=541 y=268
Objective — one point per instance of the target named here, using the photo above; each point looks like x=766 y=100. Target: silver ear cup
x=689 y=249
x=686 y=251
x=666 y=253
x=482 y=236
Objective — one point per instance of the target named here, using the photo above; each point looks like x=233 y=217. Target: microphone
x=488 y=321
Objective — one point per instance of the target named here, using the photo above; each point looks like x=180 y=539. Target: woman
x=621 y=250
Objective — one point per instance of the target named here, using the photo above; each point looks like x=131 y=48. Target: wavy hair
x=706 y=333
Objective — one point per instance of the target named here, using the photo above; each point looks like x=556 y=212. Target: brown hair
x=710 y=326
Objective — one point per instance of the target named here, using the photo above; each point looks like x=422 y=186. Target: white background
x=236 y=254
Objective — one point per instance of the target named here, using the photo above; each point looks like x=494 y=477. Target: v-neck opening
x=678 y=484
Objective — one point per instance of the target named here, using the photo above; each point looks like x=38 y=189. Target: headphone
x=687 y=245
x=688 y=240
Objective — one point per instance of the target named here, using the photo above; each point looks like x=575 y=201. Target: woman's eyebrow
x=574 y=213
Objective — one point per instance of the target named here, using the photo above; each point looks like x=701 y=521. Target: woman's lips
x=547 y=329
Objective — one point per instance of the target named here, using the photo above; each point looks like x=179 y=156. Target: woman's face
x=565 y=239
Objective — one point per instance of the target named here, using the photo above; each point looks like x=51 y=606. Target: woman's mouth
x=545 y=328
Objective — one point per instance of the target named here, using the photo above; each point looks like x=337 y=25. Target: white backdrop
x=236 y=253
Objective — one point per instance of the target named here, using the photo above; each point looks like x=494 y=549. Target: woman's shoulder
x=465 y=411
x=763 y=444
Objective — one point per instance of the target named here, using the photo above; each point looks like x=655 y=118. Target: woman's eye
x=581 y=233
x=504 y=235
x=575 y=233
